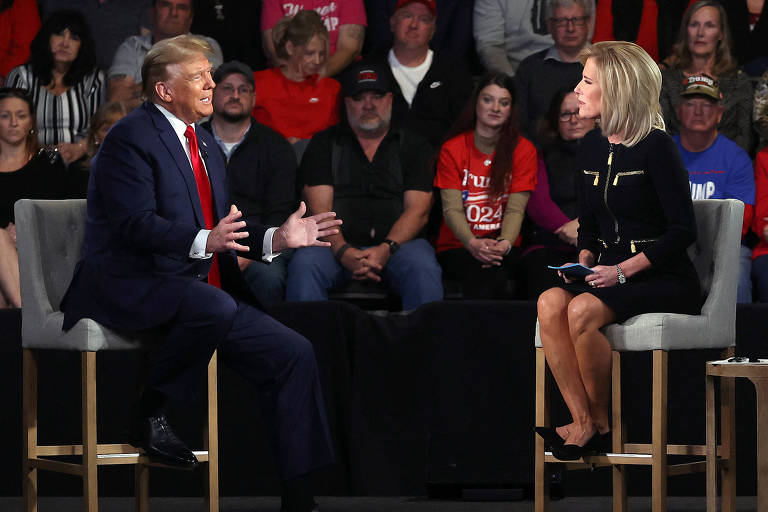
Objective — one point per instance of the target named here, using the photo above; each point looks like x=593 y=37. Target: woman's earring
x=31 y=131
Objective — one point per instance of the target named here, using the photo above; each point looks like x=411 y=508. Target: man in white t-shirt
x=430 y=89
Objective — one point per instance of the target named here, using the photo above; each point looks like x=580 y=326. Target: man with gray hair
x=542 y=74
x=159 y=260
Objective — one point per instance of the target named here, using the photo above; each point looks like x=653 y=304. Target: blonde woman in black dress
x=636 y=223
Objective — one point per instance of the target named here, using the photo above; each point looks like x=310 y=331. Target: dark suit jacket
x=143 y=215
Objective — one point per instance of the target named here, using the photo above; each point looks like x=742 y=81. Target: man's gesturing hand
x=223 y=237
x=305 y=232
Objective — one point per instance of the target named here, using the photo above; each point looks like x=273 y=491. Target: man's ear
x=163 y=92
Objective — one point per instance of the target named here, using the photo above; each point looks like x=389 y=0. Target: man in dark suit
x=158 y=227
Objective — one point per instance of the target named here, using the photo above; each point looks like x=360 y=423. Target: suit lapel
x=179 y=156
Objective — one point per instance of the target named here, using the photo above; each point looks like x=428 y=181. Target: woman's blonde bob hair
x=630 y=83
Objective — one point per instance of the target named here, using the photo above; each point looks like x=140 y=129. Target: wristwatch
x=393 y=246
x=620 y=273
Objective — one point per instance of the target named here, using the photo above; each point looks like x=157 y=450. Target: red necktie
x=204 y=191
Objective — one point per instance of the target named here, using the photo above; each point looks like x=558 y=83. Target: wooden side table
x=757 y=372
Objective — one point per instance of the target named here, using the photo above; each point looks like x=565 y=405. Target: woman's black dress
x=637 y=199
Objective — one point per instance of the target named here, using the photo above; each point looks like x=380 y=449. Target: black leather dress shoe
x=158 y=440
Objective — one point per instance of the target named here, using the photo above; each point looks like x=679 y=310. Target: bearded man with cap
x=371 y=170
x=261 y=168
x=717 y=167
x=429 y=88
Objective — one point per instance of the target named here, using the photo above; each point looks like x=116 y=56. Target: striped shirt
x=63 y=118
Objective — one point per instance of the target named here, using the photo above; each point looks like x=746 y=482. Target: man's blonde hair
x=167 y=52
x=630 y=84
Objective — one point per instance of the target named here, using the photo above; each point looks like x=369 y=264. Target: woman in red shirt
x=485 y=172
x=293 y=98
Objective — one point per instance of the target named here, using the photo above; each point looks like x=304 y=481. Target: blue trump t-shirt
x=722 y=171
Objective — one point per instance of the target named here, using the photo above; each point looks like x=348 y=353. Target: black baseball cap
x=363 y=77
x=234 y=66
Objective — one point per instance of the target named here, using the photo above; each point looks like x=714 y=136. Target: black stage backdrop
x=441 y=397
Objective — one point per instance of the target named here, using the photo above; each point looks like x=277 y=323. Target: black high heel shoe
x=597 y=444
x=550 y=436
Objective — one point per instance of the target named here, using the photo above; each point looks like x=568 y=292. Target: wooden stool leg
x=211 y=438
x=90 y=459
x=619 y=435
x=711 y=446
x=142 y=487
x=761 y=395
x=541 y=479
x=727 y=439
x=659 y=432
x=29 y=428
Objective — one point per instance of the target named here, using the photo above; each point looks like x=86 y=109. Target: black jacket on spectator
x=367 y=195
x=537 y=81
x=438 y=101
x=262 y=174
x=749 y=47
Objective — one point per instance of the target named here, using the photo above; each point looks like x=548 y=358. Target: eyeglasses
x=567 y=115
x=229 y=90
x=578 y=21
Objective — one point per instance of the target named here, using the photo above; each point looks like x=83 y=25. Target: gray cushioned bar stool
x=715 y=256
x=49 y=240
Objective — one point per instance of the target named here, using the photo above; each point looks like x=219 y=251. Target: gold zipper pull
x=610 y=158
x=632 y=247
x=616 y=180
x=597 y=178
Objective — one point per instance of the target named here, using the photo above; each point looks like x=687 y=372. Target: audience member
x=717 y=167
x=542 y=74
x=261 y=169
x=508 y=31
x=170 y=18
x=230 y=23
x=651 y=24
x=26 y=171
x=294 y=98
x=748 y=22
x=760 y=226
x=551 y=226
x=760 y=111
x=375 y=176
x=65 y=85
x=78 y=172
x=453 y=31
x=485 y=173
x=429 y=88
x=19 y=22
x=110 y=21
x=345 y=21
x=703 y=46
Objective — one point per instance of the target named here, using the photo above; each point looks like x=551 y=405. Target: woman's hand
x=569 y=232
x=603 y=276
x=765 y=230
x=484 y=250
x=71 y=152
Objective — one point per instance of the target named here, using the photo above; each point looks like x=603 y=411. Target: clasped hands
x=297 y=231
x=366 y=264
x=489 y=252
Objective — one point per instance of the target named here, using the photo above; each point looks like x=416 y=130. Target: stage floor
x=383 y=504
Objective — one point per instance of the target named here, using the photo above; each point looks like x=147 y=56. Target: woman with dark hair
x=550 y=229
x=703 y=46
x=294 y=98
x=65 y=85
x=26 y=171
x=485 y=173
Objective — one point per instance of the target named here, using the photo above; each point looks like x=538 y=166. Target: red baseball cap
x=429 y=3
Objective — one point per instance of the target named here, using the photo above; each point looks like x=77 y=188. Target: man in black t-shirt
x=376 y=177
